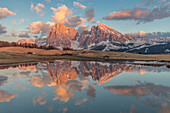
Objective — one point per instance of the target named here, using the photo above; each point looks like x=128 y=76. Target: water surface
x=81 y=87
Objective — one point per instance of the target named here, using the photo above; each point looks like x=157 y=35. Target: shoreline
x=18 y=55
x=52 y=58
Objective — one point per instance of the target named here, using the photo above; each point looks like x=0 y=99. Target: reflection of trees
x=28 y=66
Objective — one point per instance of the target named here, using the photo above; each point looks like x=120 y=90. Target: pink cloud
x=40 y=27
x=63 y=15
x=159 y=10
x=127 y=14
x=4 y=12
x=38 y=8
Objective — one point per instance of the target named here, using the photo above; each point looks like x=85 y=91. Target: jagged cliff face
x=103 y=38
x=102 y=34
x=61 y=35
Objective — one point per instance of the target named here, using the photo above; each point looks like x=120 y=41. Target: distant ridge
x=101 y=37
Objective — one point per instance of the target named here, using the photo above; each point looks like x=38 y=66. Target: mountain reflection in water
x=80 y=86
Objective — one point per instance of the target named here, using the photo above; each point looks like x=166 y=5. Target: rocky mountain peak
x=107 y=28
x=61 y=35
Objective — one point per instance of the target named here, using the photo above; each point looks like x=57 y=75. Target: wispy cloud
x=77 y=4
x=90 y=15
x=38 y=8
x=48 y=0
x=151 y=35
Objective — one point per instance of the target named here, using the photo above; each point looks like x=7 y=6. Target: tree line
x=29 y=45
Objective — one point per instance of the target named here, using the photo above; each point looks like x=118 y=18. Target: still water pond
x=84 y=87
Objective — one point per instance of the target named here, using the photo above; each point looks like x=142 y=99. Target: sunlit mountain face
x=80 y=86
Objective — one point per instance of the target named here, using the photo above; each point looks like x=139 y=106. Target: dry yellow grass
x=19 y=55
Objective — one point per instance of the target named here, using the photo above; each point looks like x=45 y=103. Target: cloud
x=66 y=91
x=76 y=85
x=41 y=100
x=91 y=91
x=48 y=0
x=2 y=29
x=127 y=14
x=62 y=93
x=128 y=90
x=38 y=8
x=40 y=27
x=3 y=80
x=81 y=101
x=6 y=97
x=21 y=21
x=4 y=12
x=158 y=10
x=82 y=28
x=147 y=92
x=24 y=34
x=151 y=35
x=39 y=81
x=90 y=15
x=32 y=7
x=77 y=4
x=63 y=15
x=139 y=4
x=74 y=21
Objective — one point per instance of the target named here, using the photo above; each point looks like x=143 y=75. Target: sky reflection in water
x=74 y=86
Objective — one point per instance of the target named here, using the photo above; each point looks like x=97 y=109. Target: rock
x=28 y=41
x=61 y=36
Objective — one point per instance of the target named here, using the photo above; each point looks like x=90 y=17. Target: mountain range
x=101 y=38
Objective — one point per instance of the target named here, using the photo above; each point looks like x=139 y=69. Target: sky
x=34 y=18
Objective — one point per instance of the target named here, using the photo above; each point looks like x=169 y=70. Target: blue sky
x=146 y=18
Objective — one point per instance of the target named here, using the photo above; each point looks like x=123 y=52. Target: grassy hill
x=9 y=55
